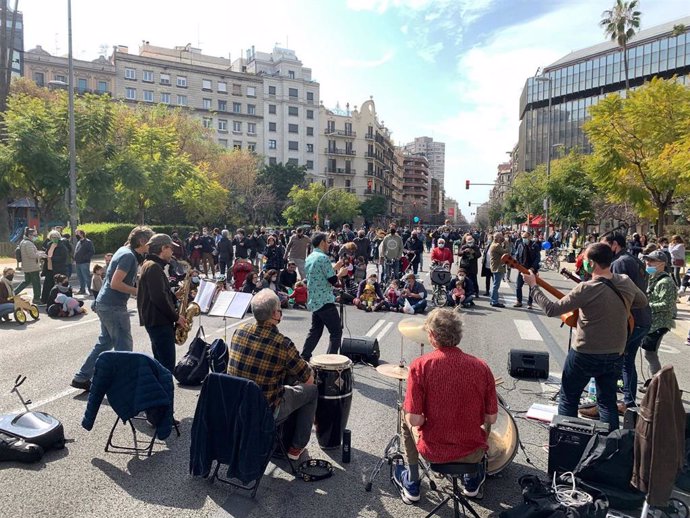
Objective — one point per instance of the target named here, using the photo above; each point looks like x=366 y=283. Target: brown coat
x=659 y=438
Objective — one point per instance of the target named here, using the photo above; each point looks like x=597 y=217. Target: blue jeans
x=518 y=290
x=577 y=371
x=418 y=306
x=6 y=308
x=84 y=275
x=116 y=333
x=629 y=370
x=497 y=277
x=163 y=345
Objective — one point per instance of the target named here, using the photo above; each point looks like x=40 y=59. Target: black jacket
x=416 y=246
x=241 y=246
x=234 y=426
x=225 y=252
x=363 y=247
x=274 y=257
x=84 y=251
x=155 y=300
x=286 y=280
x=59 y=260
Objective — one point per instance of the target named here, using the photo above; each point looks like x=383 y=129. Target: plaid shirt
x=260 y=353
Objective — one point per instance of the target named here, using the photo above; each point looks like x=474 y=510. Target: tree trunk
x=4 y=220
x=625 y=64
x=661 y=214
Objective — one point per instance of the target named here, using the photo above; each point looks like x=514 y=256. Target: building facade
x=358 y=155
x=452 y=211
x=504 y=180
x=15 y=41
x=582 y=78
x=416 y=186
x=290 y=110
x=435 y=152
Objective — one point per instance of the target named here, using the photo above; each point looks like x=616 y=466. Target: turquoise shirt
x=319 y=269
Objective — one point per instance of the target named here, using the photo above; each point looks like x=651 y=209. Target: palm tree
x=621 y=23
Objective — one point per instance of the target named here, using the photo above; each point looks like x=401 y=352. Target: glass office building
x=582 y=78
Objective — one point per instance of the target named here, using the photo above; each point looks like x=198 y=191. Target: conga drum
x=333 y=377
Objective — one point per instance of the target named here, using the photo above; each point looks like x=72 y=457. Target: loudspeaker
x=361 y=349
x=528 y=364
x=568 y=437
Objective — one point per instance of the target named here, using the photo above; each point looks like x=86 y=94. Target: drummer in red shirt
x=451 y=401
x=440 y=254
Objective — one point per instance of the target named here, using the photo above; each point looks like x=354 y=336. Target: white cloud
x=429 y=52
x=404 y=29
x=381 y=6
x=363 y=63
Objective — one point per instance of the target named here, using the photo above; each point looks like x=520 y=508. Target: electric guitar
x=570 y=318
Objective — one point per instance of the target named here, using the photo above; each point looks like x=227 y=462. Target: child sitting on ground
x=97 y=279
x=300 y=295
x=67 y=306
x=392 y=295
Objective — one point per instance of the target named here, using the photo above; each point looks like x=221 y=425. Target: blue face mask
x=651 y=270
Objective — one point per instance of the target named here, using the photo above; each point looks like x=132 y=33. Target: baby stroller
x=440 y=279
x=406 y=262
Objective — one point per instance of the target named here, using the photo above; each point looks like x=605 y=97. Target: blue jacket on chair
x=133 y=383
x=233 y=425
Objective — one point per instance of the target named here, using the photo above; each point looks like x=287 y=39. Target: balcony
x=369 y=136
x=339 y=133
x=339 y=151
x=338 y=170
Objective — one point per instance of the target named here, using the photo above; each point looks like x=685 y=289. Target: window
x=182 y=100
x=236 y=108
x=131 y=94
x=293 y=128
x=131 y=73
x=292 y=161
x=310 y=97
x=310 y=114
x=310 y=165
x=148 y=96
x=223 y=142
x=310 y=131
x=102 y=87
x=236 y=89
x=272 y=144
x=237 y=144
x=222 y=106
x=165 y=98
x=81 y=85
x=147 y=76
x=182 y=81
x=206 y=104
x=292 y=110
x=165 y=79
x=272 y=160
x=222 y=87
x=272 y=109
x=222 y=125
x=236 y=126
x=291 y=74
x=293 y=145
x=251 y=91
x=310 y=148
x=271 y=126
x=59 y=77
x=251 y=109
x=207 y=122
x=271 y=90
x=39 y=78
x=292 y=92
x=348 y=128
x=251 y=128
x=206 y=84
x=251 y=146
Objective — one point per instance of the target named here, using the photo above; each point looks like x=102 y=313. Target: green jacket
x=662 y=294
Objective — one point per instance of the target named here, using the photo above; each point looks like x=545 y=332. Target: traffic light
x=469 y=203
x=467 y=185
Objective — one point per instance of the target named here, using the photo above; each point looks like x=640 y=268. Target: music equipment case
x=528 y=364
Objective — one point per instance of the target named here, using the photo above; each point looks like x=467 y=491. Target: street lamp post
x=545 y=78
x=72 y=140
x=318 y=205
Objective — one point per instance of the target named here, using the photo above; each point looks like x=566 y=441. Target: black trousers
x=163 y=344
x=326 y=316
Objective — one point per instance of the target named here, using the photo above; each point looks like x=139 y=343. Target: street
x=82 y=480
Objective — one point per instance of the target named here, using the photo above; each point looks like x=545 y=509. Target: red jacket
x=240 y=270
x=440 y=255
x=300 y=295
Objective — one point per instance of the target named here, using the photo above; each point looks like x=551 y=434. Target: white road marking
x=85 y=321
x=385 y=330
x=527 y=330
x=55 y=397
x=222 y=329
x=373 y=329
x=668 y=349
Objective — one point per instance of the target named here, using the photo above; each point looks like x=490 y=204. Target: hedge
x=108 y=237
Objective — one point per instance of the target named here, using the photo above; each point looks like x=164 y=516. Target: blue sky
x=450 y=69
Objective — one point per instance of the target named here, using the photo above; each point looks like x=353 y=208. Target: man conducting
x=451 y=400
x=259 y=352
x=604 y=303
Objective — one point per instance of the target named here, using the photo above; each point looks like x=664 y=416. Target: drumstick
x=499 y=380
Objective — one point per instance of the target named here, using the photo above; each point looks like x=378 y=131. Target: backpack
x=18 y=254
x=193 y=368
x=218 y=356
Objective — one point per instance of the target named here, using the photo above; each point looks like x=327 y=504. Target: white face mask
x=461 y=278
x=441 y=245
x=274 y=278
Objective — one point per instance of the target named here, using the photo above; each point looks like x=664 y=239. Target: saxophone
x=188 y=309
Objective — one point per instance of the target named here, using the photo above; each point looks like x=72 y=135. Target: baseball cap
x=160 y=240
x=656 y=255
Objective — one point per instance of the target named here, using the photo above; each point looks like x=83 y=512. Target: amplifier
x=528 y=364
x=568 y=437
x=361 y=349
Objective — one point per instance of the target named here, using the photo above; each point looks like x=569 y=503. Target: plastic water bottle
x=592 y=390
x=346 y=445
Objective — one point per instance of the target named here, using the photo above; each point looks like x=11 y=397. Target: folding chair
x=111 y=447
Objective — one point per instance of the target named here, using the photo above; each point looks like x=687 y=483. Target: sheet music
x=204 y=295
x=222 y=303
x=231 y=304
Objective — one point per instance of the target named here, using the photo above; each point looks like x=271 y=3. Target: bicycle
x=440 y=278
x=551 y=262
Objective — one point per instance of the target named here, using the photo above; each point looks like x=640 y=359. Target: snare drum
x=333 y=377
x=503 y=441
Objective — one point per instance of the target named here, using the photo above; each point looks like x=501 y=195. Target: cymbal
x=390 y=370
x=413 y=329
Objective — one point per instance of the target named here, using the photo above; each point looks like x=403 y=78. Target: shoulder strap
x=613 y=287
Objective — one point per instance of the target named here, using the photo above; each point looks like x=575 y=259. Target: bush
x=108 y=237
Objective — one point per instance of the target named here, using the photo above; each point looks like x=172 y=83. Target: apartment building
x=229 y=103
x=416 y=186
x=15 y=40
x=358 y=154
x=291 y=101
x=435 y=152
x=97 y=76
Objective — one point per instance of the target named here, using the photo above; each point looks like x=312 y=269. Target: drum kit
x=503 y=437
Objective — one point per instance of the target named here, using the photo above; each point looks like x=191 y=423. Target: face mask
x=651 y=270
x=274 y=278
x=372 y=281
x=9 y=277
x=393 y=231
x=461 y=278
x=588 y=266
x=441 y=245
x=195 y=280
x=470 y=242
x=414 y=237
x=525 y=240
x=62 y=289
x=34 y=238
x=56 y=241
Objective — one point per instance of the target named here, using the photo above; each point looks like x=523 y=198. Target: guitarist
x=601 y=333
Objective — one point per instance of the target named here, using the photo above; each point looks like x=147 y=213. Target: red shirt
x=442 y=254
x=240 y=270
x=454 y=391
x=300 y=295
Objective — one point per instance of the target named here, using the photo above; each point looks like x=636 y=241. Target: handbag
x=679 y=262
x=193 y=368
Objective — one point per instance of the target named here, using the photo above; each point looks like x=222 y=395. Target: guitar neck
x=507 y=259
x=570 y=275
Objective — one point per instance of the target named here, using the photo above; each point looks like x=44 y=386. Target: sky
x=449 y=69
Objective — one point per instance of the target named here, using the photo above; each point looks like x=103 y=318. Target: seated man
x=6 y=293
x=288 y=277
x=413 y=292
x=260 y=353
x=451 y=399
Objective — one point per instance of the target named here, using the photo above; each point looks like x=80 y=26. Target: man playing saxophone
x=156 y=302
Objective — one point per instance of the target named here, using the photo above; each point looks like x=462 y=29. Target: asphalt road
x=83 y=480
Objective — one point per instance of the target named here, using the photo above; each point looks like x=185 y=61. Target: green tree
x=282 y=178
x=571 y=190
x=202 y=198
x=640 y=147
x=373 y=207
x=339 y=205
x=620 y=23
